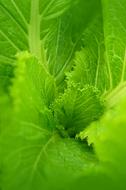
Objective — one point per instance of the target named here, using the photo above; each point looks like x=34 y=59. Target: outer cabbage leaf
x=108 y=139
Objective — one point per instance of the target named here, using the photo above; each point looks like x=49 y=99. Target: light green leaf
x=115 y=40
x=108 y=138
x=33 y=90
x=64 y=36
x=90 y=67
x=37 y=155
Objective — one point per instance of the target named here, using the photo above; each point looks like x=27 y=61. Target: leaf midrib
x=34 y=30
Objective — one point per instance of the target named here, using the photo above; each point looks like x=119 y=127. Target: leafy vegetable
x=62 y=94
